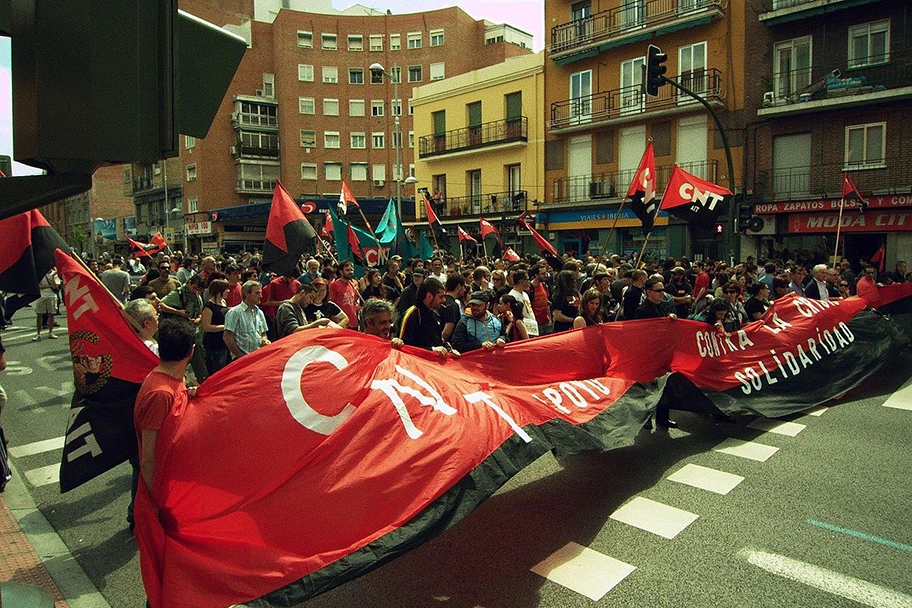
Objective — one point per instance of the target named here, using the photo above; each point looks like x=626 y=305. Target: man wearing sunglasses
x=165 y=283
x=654 y=308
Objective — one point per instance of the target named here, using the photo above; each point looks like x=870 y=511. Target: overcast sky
x=527 y=15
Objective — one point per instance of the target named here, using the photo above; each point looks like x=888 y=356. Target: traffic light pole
x=734 y=245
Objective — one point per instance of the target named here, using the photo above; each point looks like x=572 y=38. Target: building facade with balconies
x=158 y=199
x=478 y=138
x=304 y=107
x=598 y=120
x=838 y=79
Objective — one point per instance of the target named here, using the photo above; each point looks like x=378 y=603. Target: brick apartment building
x=837 y=99
x=304 y=108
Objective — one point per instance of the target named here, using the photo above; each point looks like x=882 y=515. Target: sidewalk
x=31 y=552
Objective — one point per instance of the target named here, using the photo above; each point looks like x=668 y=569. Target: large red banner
x=319 y=457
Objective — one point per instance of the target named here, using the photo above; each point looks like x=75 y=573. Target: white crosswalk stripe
x=705 y=478
x=746 y=449
x=778 y=427
x=44 y=476
x=38 y=447
x=583 y=570
x=660 y=519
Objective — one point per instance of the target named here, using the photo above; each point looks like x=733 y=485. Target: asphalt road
x=830 y=508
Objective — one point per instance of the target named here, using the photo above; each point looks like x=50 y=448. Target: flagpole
x=838 y=229
x=610 y=232
x=373 y=234
x=655 y=216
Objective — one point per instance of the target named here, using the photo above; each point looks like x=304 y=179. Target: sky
x=527 y=15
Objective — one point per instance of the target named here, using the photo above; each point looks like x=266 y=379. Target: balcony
x=479 y=204
x=255 y=186
x=598 y=186
x=783 y=11
x=471 y=138
x=627 y=104
x=254 y=152
x=143 y=184
x=880 y=79
x=633 y=21
x=824 y=180
x=242 y=120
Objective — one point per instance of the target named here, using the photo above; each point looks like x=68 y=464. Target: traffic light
x=655 y=71
x=745 y=213
x=98 y=82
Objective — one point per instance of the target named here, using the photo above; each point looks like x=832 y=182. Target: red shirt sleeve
x=152 y=409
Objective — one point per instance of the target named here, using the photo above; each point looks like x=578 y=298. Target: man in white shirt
x=437 y=270
x=520 y=291
x=47 y=303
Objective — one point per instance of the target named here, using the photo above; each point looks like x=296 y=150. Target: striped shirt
x=247 y=324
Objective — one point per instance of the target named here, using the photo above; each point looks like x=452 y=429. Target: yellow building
x=478 y=142
x=598 y=121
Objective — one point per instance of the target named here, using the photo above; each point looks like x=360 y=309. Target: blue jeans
x=216 y=360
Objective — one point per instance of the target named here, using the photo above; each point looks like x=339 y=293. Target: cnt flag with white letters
x=110 y=363
x=693 y=199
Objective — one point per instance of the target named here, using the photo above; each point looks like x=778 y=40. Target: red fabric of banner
x=685 y=188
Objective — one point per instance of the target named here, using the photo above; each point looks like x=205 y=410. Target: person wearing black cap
x=680 y=291
x=410 y=293
x=479 y=329
x=420 y=326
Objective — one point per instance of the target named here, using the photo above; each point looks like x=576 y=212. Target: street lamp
x=376 y=67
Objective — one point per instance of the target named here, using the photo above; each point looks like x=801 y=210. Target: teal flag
x=388 y=227
x=425 y=249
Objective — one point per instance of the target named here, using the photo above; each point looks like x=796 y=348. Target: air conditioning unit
x=762 y=225
x=379 y=182
x=233 y=150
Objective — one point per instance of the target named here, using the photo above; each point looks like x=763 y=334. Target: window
x=258 y=114
x=260 y=178
x=358 y=172
x=328 y=42
x=358 y=141
x=581 y=94
x=355 y=75
x=414 y=40
x=376 y=77
x=192 y=204
x=692 y=66
x=189 y=142
x=330 y=107
x=437 y=71
x=396 y=107
x=396 y=73
x=305 y=72
x=414 y=73
x=395 y=42
x=309 y=171
x=513 y=109
x=411 y=107
x=376 y=42
x=332 y=171
x=356 y=107
x=865 y=145
x=331 y=139
x=633 y=14
x=377 y=106
x=268 y=85
x=306 y=105
x=397 y=173
x=356 y=42
x=378 y=140
x=260 y=141
x=191 y=173
x=436 y=37
x=379 y=173
x=411 y=136
x=869 y=43
x=396 y=140
x=791 y=67
x=330 y=74
x=305 y=40
x=308 y=138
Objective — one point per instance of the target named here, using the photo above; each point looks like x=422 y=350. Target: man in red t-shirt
x=277 y=291
x=343 y=292
x=163 y=393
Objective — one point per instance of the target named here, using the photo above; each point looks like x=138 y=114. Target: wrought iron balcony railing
x=468 y=138
x=582 y=188
x=479 y=204
x=623 y=20
x=627 y=101
x=824 y=180
x=858 y=76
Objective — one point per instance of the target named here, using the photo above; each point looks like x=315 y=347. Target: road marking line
x=901 y=399
x=746 y=449
x=44 y=476
x=655 y=517
x=38 y=447
x=790 y=429
x=583 y=570
x=818 y=411
x=705 y=478
x=849 y=587
x=861 y=535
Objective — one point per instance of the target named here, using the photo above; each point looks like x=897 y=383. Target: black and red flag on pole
x=288 y=234
x=110 y=362
x=147 y=250
x=642 y=192
x=541 y=241
x=440 y=233
x=851 y=193
x=465 y=236
x=27 y=252
x=693 y=199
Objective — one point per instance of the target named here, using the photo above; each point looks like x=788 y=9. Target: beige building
x=478 y=142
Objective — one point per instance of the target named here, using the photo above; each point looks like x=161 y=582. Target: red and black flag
x=346 y=198
x=440 y=233
x=110 y=362
x=288 y=234
x=510 y=255
x=354 y=244
x=147 y=250
x=851 y=193
x=880 y=258
x=541 y=241
x=693 y=199
x=27 y=252
x=642 y=192
x=327 y=230
x=465 y=236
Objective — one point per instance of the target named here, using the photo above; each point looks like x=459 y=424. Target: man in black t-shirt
x=681 y=291
x=453 y=305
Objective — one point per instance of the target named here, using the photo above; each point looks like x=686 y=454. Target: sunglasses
x=843 y=284
x=164 y=268
x=658 y=290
